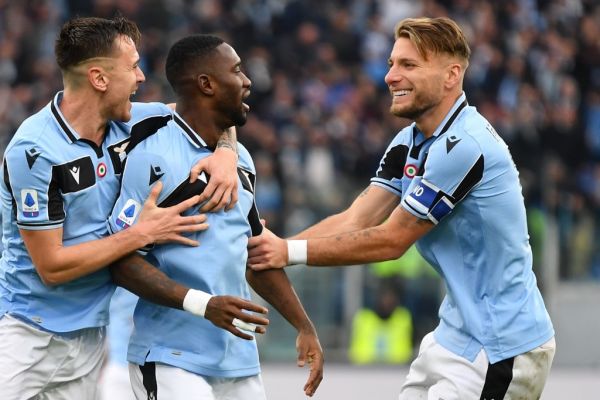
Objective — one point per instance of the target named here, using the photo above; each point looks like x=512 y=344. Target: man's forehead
x=228 y=53
x=126 y=46
x=404 y=48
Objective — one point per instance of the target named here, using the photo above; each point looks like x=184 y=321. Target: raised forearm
x=275 y=287
x=140 y=277
x=369 y=209
x=57 y=263
x=353 y=248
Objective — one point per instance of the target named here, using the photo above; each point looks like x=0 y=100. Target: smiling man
x=447 y=182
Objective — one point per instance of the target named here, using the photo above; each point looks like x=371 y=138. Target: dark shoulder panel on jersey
x=146 y=128
x=9 y=187
x=393 y=163
x=471 y=179
x=184 y=191
x=248 y=180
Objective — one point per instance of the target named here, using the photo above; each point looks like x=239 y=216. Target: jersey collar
x=66 y=129
x=190 y=134
x=458 y=106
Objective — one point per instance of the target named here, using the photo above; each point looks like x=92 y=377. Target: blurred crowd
x=319 y=118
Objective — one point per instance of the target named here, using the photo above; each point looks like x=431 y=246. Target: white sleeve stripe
x=39 y=227
x=431 y=185
x=415 y=206
x=385 y=185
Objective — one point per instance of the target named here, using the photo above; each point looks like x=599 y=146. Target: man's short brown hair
x=435 y=36
x=81 y=39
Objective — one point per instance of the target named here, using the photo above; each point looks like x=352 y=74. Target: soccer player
x=174 y=354
x=60 y=180
x=448 y=183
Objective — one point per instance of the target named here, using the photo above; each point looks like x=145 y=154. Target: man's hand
x=310 y=351
x=162 y=225
x=222 y=189
x=223 y=310
x=267 y=251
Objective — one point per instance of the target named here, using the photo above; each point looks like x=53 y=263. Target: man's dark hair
x=186 y=53
x=83 y=38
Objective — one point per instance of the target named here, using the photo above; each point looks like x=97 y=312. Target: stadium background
x=319 y=123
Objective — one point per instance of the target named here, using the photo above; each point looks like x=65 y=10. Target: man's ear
x=454 y=74
x=98 y=78
x=206 y=84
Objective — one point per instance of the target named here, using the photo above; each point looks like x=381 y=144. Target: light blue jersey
x=463 y=179
x=217 y=266
x=55 y=179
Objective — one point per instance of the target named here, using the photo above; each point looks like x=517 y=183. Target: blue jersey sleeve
x=453 y=168
x=391 y=167
x=28 y=175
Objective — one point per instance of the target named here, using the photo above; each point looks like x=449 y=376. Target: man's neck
x=202 y=122
x=84 y=115
x=429 y=122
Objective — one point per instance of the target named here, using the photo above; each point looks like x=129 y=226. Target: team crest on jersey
x=29 y=203
x=128 y=214
x=410 y=170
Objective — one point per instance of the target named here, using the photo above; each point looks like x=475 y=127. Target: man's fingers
x=254 y=241
x=234 y=198
x=258 y=266
x=249 y=306
x=154 y=193
x=239 y=333
x=184 y=205
x=192 y=228
x=301 y=359
x=214 y=202
x=197 y=169
x=314 y=380
x=184 y=240
x=238 y=323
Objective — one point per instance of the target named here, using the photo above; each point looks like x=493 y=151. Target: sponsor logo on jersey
x=410 y=170
x=32 y=154
x=128 y=214
x=101 y=170
x=29 y=203
x=451 y=142
x=155 y=174
x=74 y=170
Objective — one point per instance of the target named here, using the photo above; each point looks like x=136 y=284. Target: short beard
x=414 y=112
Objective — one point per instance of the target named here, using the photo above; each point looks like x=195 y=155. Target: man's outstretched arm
x=370 y=208
x=57 y=263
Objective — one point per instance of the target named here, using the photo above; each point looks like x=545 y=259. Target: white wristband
x=297 y=251
x=195 y=302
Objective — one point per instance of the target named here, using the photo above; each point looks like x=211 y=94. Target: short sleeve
x=454 y=166
x=28 y=175
x=391 y=167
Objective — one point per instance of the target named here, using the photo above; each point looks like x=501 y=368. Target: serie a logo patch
x=128 y=214
x=29 y=203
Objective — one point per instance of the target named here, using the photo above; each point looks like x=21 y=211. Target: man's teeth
x=400 y=92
